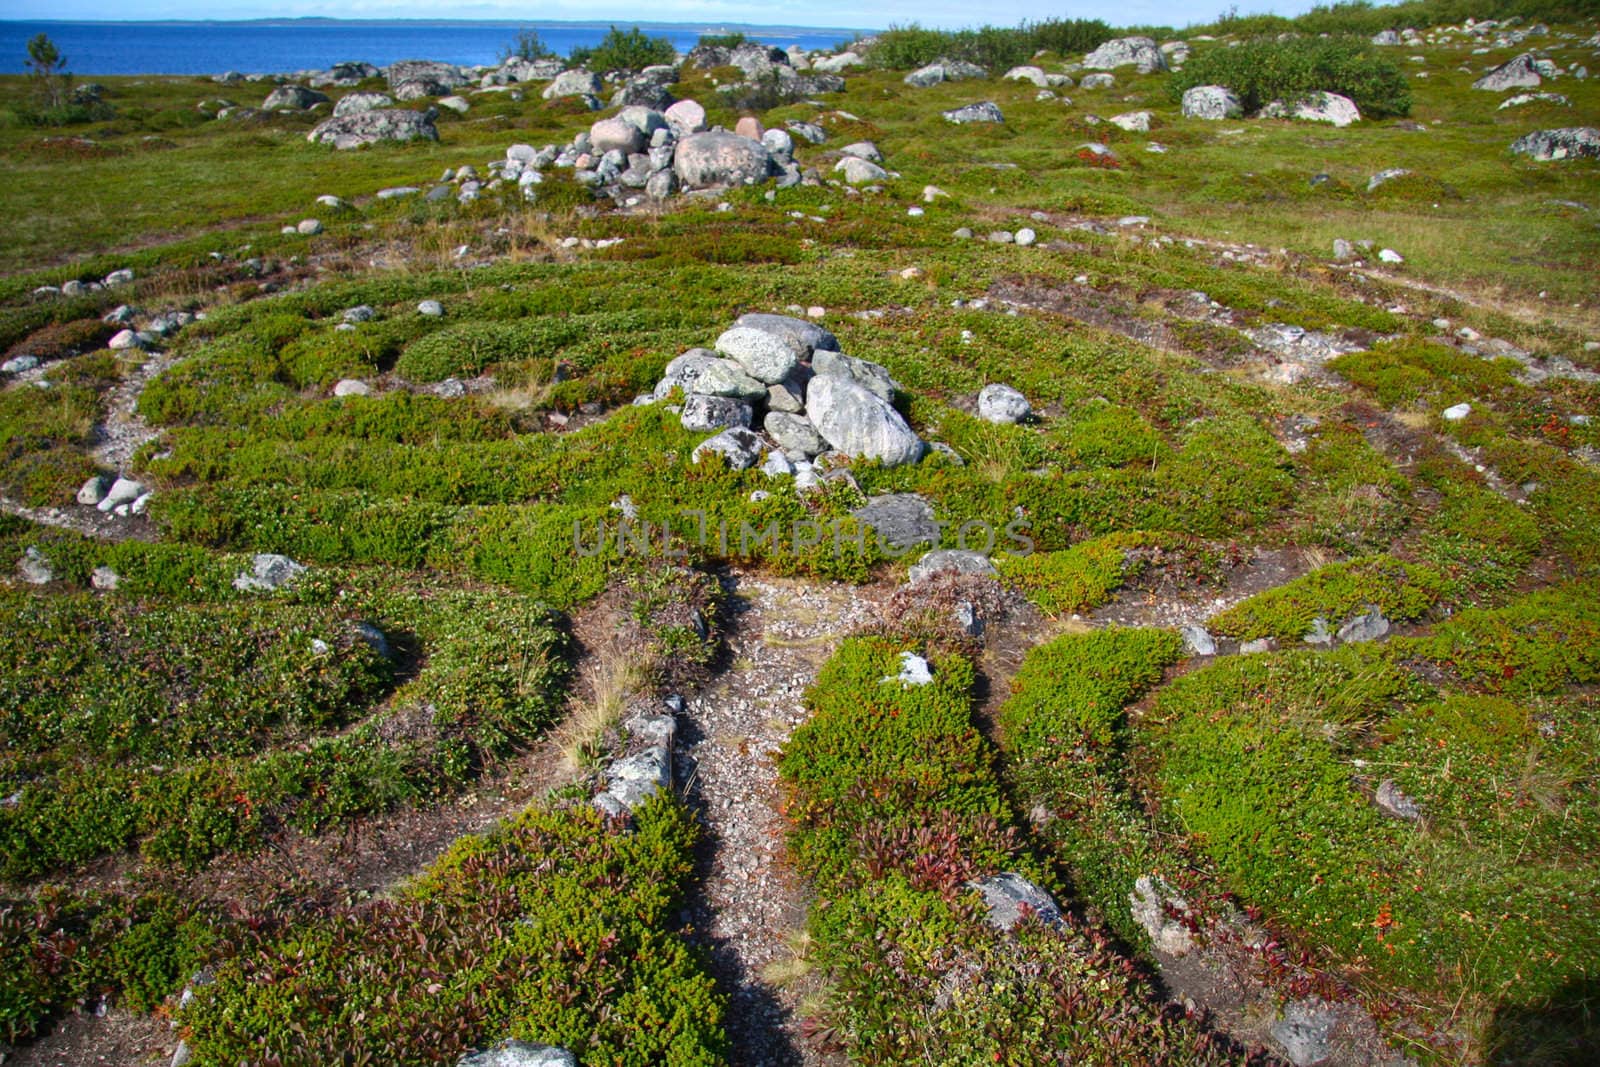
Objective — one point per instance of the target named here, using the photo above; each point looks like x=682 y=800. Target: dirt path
x=751 y=903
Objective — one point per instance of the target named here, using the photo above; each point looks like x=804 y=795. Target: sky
x=943 y=14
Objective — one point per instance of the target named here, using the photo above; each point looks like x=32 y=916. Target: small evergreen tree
x=48 y=69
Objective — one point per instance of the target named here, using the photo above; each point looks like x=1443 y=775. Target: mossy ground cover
x=1255 y=775
x=177 y=722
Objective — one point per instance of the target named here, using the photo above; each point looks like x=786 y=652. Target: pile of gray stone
x=773 y=71
x=786 y=376
x=641 y=153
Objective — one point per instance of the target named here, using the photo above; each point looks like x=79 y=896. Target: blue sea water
x=282 y=46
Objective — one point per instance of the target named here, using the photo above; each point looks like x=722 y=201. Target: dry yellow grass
x=608 y=679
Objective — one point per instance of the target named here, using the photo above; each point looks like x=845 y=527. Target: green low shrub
x=1403 y=591
x=1409 y=372
x=1265 y=69
x=628 y=50
x=896 y=809
x=554 y=929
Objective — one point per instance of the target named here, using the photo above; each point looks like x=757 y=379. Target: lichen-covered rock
x=767 y=356
x=1035 y=75
x=951 y=561
x=268 y=571
x=794 y=433
x=355 y=103
x=1212 y=102
x=858 y=171
x=292 y=98
x=1141 y=52
x=1331 y=108
x=1547 y=146
x=578 y=82
x=701 y=413
x=1001 y=403
x=983 y=111
x=519 y=1054
x=613 y=134
x=447 y=75
x=872 y=377
x=371 y=127
x=810 y=336
x=1515 y=73
x=944 y=70
x=1010 y=898
x=741 y=448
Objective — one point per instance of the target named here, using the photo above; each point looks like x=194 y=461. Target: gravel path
x=750 y=902
x=124 y=429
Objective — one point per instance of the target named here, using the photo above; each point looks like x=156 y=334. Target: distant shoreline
x=576 y=24
x=287 y=46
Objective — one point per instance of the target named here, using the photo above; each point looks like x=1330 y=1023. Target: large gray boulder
x=741 y=448
x=725 y=377
x=808 y=334
x=872 y=377
x=1517 y=73
x=794 y=433
x=419 y=89
x=719 y=158
x=292 y=98
x=1570 y=143
x=944 y=70
x=1331 y=108
x=701 y=413
x=686 y=117
x=517 y=69
x=1213 y=102
x=572 y=83
x=759 y=60
x=1141 y=52
x=859 y=423
x=356 y=103
x=371 y=127
x=858 y=171
x=768 y=357
x=837 y=64
x=447 y=75
x=609 y=135
x=684 y=371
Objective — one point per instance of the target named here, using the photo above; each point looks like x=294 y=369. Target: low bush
x=993 y=47
x=1065 y=732
x=896 y=810
x=554 y=929
x=63 y=949
x=1266 y=69
x=627 y=50
x=1403 y=591
x=1409 y=373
